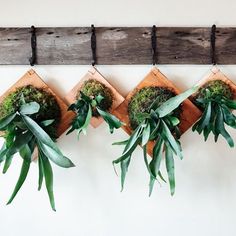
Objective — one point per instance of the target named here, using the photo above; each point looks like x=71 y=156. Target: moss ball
x=93 y=88
x=49 y=107
x=217 y=88
x=143 y=99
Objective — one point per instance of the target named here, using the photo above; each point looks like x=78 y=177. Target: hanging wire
x=213 y=44
x=93 y=45
x=33 y=58
x=154 y=45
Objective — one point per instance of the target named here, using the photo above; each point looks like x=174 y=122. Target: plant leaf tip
x=9 y=202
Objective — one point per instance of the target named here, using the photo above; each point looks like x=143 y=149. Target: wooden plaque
x=189 y=115
x=216 y=74
x=94 y=74
x=32 y=78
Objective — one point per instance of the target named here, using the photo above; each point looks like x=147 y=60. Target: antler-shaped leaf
x=22 y=135
x=216 y=113
x=84 y=108
x=157 y=126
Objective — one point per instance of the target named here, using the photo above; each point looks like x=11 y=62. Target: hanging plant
x=215 y=98
x=93 y=99
x=155 y=114
x=30 y=117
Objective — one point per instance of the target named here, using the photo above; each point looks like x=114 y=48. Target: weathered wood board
x=189 y=115
x=117 y=45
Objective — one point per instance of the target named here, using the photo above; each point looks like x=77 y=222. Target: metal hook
x=213 y=44
x=93 y=45
x=154 y=45
x=33 y=58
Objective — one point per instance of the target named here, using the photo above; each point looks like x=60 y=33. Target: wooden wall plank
x=117 y=45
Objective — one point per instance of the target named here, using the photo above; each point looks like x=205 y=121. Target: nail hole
x=16 y=39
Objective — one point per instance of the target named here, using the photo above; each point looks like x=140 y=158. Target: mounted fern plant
x=29 y=118
x=94 y=99
x=215 y=99
x=154 y=114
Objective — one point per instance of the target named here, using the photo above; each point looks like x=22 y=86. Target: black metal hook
x=154 y=45
x=213 y=44
x=93 y=45
x=33 y=58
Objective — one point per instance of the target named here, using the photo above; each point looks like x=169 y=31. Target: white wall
x=88 y=198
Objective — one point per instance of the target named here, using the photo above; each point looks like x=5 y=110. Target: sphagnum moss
x=49 y=107
x=143 y=99
x=216 y=88
x=93 y=88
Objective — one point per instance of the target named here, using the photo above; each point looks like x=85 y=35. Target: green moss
x=143 y=99
x=49 y=107
x=93 y=88
x=217 y=88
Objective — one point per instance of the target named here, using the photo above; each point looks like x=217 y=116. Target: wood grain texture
x=189 y=115
x=32 y=78
x=117 y=45
x=94 y=74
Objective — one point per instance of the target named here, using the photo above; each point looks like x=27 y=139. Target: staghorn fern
x=215 y=100
x=24 y=129
x=94 y=99
x=158 y=123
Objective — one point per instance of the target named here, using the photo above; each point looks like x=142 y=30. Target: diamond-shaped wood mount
x=94 y=74
x=32 y=78
x=216 y=74
x=189 y=115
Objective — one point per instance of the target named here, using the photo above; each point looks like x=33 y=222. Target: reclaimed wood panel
x=117 y=45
